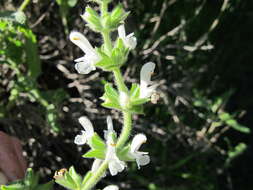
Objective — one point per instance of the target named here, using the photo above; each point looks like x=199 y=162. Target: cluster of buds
x=110 y=57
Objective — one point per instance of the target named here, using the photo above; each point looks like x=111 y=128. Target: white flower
x=142 y=158
x=115 y=165
x=123 y=99
x=130 y=40
x=146 y=71
x=87 y=133
x=96 y=164
x=109 y=127
x=111 y=187
x=86 y=63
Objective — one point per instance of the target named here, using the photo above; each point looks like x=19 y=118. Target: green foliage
x=70 y=179
x=112 y=100
x=115 y=60
x=217 y=114
x=107 y=22
x=19 y=47
x=30 y=182
x=65 y=6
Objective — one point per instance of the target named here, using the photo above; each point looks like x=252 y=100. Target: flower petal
x=95 y=165
x=84 y=67
x=109 y=123
x=87 y=125
x=130 y=40
x=146 y=72
x=138 y=140
x=80 y=139
x=122 y=31
x=81 y=41
x=111 y=187
x=109 y=127
x=142 y=160
x=116 y=166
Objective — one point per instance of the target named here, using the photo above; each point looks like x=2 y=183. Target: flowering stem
x=96 y=176
x=119 y=80
x=107 y=42
x=125 y=133
x=24 y=5
x=126 y=115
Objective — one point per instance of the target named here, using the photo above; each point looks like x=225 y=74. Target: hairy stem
x=125 y=133
x=119 y=80
x=96 y=176
x=24 y=5
x=107 y=42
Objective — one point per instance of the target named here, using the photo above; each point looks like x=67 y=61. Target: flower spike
x=141 y=157
x=84 y=64
x=130 y=40
x=87 y=133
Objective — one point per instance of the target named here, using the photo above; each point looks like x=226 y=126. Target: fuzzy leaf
x=97 y=142
x=135 y=91
x=111 y=93
x=95 y=154
x=86 y=177
x=75 y=176
x=111 y=105
x=123 y=154
x=139 y=101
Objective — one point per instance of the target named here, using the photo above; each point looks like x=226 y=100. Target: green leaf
x=105 y=59
x=65 y=183
x=111 y=105
x=75 y=176
x=31 y=178
x=216 y=105
x=97 y=142
x=46 y=186
x=233 y=123
x=239 y=149
x=117 y=17
x=139 y=101
x=111 y=93
x=123 y=154
x=86 y=178
x=72 y=3
x=224 y=116
x=13 y=187
x=11 y=16
x=70 y=180
x=93 y=19
x=135 y=91
x=95 y=154
x=56 y=96
x=32 y=55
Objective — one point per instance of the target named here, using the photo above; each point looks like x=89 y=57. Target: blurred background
x=199 y=132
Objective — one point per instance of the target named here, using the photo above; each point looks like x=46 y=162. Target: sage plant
x=114 y=151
